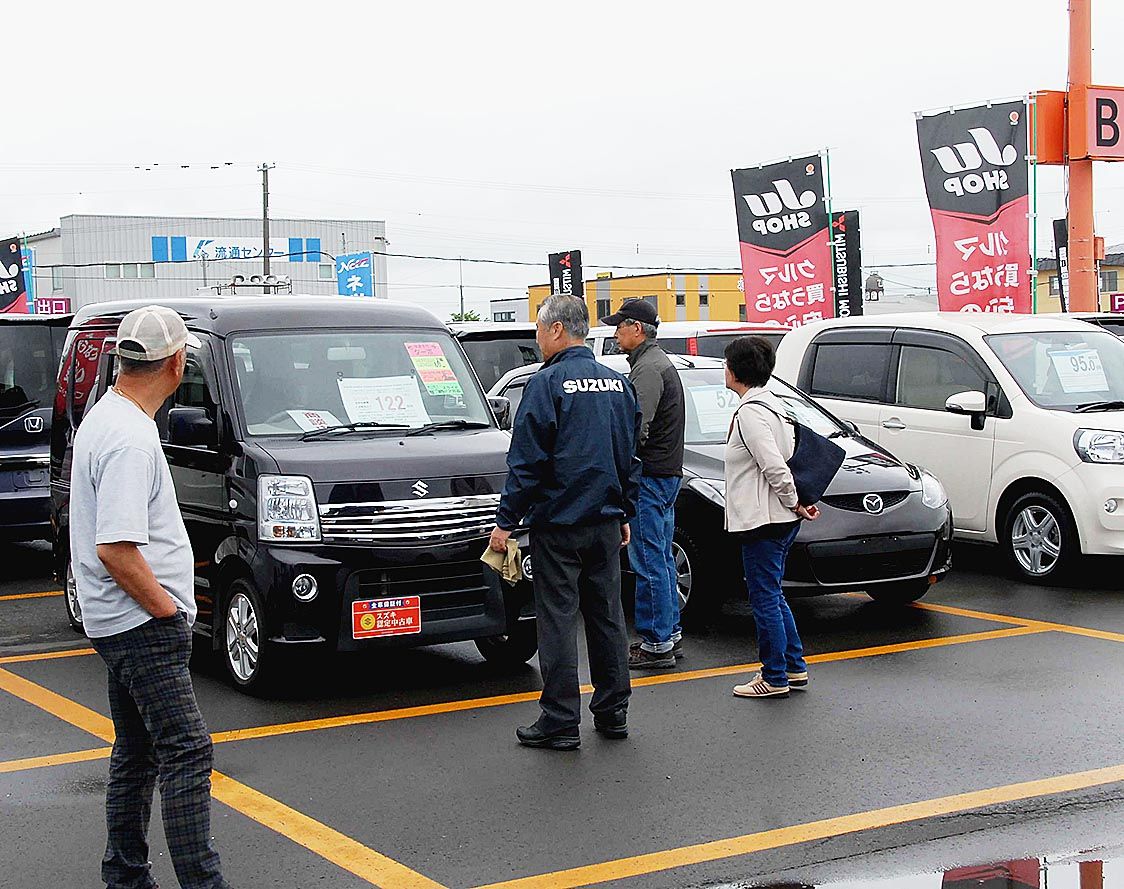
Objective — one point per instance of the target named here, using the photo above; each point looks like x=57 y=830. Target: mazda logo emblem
x=872 y=503
x=33 y=424
x=420 y=488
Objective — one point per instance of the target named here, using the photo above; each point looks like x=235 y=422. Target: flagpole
x=830 y=245
x=1034 y=206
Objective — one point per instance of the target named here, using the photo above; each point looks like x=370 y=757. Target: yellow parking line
x=46 y=594
x=653 y=862
x=45 y=656
x=341 y=850
x=1023 y=621
x=56 y=759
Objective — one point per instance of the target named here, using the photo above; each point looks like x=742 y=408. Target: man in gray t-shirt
x=134 y=573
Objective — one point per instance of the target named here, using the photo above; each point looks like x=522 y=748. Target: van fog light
x=528 y=571
x=305 y=587
x=1110 y=505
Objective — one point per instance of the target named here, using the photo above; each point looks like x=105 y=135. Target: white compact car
x=706 y=338
x=1021 y=417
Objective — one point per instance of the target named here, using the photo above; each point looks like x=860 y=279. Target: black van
x=30 y=346
x=338 y=468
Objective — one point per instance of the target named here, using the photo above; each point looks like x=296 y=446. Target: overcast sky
x=506 y=130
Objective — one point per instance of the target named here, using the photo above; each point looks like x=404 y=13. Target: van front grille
x=405 y=522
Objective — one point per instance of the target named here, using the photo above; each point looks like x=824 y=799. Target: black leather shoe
x=612 y=725
x=533 y=736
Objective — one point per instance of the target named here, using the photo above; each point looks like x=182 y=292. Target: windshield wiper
x=350 y=427
x=1099 y=406
x=449 y=424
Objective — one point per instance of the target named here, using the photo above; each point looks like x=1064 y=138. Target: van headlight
x=287 y=509
x=932 y=491
x=713 y=489
x=1099 y=445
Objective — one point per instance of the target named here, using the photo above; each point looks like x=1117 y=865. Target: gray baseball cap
x=153 y=333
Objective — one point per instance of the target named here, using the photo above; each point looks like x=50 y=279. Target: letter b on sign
x=1106 y=139
x=1108 y=129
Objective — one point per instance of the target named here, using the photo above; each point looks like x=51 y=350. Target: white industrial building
x=91 y=259
x=509 y=309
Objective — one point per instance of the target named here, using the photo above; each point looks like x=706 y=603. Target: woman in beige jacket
x=763 y=511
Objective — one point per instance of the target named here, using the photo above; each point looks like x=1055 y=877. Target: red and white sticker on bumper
x=372 y=618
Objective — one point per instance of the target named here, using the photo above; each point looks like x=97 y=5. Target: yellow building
x=1112 y=281
x=677 y=296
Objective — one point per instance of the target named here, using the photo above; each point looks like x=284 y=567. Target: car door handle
x=893 y=423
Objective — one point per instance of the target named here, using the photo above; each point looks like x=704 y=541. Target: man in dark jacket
x=660 y=392
x=573 y=476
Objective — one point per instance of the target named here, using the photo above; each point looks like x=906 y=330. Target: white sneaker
x=798 y=681
x=757 y=687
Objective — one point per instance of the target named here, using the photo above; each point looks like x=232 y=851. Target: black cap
x=634 y=310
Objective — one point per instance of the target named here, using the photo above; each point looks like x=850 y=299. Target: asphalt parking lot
x=983 y=724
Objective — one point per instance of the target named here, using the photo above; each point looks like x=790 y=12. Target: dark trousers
x=778 y=642
x=160 y=733
x=578 y=569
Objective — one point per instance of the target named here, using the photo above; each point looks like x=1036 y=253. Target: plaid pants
x=160 y=733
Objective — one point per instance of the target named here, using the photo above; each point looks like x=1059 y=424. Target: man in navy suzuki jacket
x=573 y=475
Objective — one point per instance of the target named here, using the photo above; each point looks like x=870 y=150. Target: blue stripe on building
x=312 y=249
x=179 y=249
x=296 y=250
x=159 y=249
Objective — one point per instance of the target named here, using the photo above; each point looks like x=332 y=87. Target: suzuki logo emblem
x=420 y=488
x=872 y=503
x=33 y=424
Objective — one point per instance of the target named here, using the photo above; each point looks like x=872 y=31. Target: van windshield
x=29 y=361
x=295 y=383
x=1064 y=370
x=710 y=405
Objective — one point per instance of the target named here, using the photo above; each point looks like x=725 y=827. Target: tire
x=70 y=600
x=1040 y=539
x=249 y=659
x=901 y=593
x=699 y=580
x=512 y=649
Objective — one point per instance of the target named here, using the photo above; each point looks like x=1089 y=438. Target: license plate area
x=374 y=618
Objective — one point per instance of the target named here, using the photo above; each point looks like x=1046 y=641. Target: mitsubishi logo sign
x=420 y=488
x=33 y=424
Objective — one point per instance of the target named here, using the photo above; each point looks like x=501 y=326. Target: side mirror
x=190 y=427
x=972 y=404
x=501 y=407
x=853 y=426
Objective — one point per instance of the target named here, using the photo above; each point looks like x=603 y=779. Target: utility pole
x=264 y=169
x=1082 y=265
x=460 y=273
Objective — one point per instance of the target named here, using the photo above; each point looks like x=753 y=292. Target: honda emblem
x=33 y=425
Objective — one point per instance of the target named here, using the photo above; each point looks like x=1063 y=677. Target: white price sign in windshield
x=1079 y=370
x=714 y=406
x=383 y=400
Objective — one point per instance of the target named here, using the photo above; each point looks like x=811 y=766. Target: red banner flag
x=787 y=267
x=975 y=167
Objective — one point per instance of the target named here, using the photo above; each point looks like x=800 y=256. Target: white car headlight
x=1099 y=445
x=713 y=489
x=932 y=491
x=287 y=509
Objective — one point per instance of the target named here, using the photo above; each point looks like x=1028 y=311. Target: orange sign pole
x=1082 y=265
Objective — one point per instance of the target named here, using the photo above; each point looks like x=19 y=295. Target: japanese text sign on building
x=974 y=162
x=355 y=274
x=787 y=267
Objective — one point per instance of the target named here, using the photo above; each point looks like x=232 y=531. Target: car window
x=514 y=394
x=28 y=367
x=491 y=359
x=293 y=383
x=713 y=345
x=192 y=392
x=710 y=405
x=850 y=370
x=673 y=345
x=927 y=377
x=1064 y=369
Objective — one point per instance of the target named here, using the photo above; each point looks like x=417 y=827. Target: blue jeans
x=657 y=578
x=778 y=643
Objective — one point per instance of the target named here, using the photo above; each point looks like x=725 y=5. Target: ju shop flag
x=787 y=267
x=975 y=166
